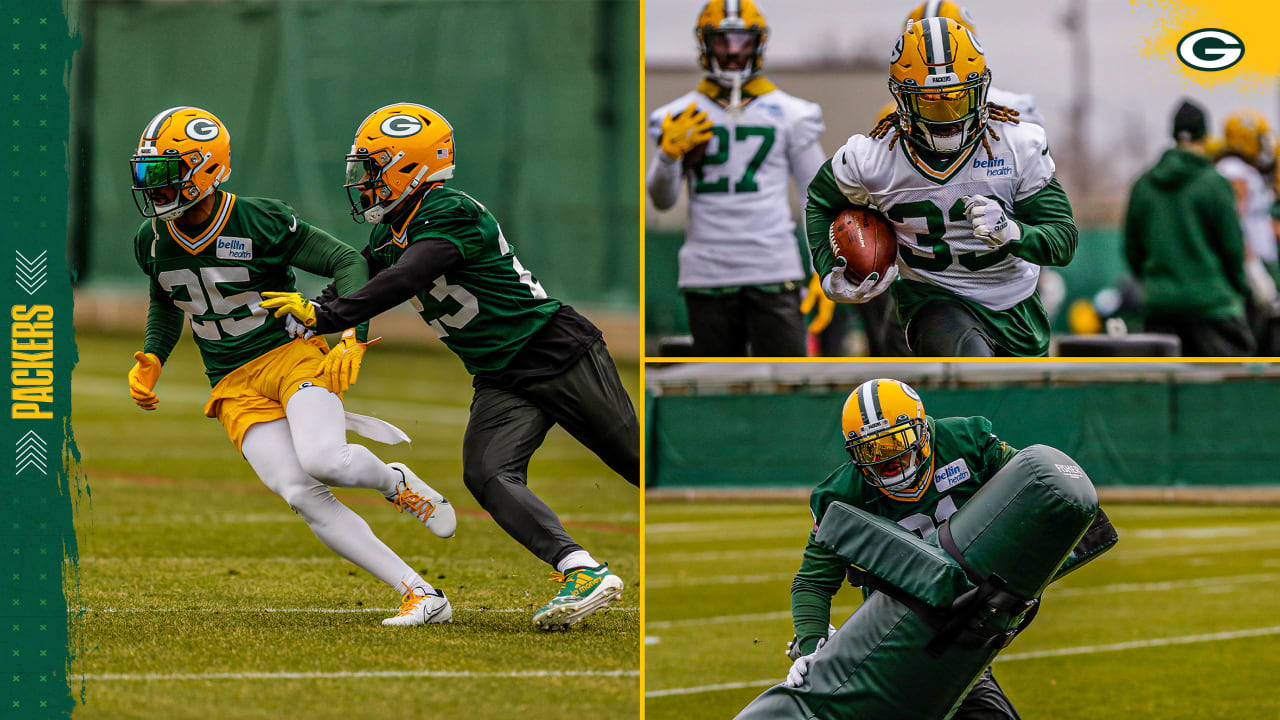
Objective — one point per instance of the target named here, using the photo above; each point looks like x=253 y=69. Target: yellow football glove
x=685 y=131
x=341 y=366
x=143 y=378
x=819 y=300
x=290 y=303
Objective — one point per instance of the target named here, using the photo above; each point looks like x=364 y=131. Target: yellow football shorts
x=258 y=391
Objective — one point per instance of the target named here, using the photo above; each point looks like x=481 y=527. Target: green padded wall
x=1121 y=433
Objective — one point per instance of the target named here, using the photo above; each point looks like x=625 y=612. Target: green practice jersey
x=966 y=453
x=217 y=275
x=486 y=307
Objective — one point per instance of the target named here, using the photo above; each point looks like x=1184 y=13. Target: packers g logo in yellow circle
x=401 y=126
x=1210 y=49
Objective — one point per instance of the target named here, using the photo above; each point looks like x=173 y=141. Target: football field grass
x=1180 y=620
x=201 y=595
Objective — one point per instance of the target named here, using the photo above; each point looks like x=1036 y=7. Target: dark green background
x=542 y=95
x=1132 y=433
x=35 y=507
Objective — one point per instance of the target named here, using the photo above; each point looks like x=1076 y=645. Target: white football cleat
x=423 y=502
x=432 y=607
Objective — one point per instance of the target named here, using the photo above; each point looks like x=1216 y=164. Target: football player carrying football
x=907 y=467
x=211 y=255
x=972 y=197
x=736 y=140
x=536 y=361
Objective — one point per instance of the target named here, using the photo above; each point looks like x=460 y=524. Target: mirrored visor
x=360 y=171
x=152 y=173
x=944 y=107
x=882 y=447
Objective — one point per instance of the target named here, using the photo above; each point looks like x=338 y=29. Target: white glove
x=297 y=329
x=990 y=224
x=793 y=647
x=799 y=668
x=838 y=288
x=1259 y=280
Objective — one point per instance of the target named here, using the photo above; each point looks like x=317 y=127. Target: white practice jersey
x=1255 y=215
x=1024 y=104
x=741 y=230
x=935 y=238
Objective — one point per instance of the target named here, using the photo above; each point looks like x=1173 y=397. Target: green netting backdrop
x=1121 y=433
x=542 y=94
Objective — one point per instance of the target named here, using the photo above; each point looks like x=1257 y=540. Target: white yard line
x=688 y=558
x=338 y=611
x=1215 y=531
x=456 y=674
x=1013 y=657
x=1158 y=586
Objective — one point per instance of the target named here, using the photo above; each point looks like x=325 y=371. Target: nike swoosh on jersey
x=294 y=226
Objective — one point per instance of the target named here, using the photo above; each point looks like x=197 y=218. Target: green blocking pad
x=884 y=661
x=920 y=568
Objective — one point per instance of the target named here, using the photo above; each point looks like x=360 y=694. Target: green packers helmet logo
x=305 y=385
x=201 y=129
x=896 y=53
x=401 y=126
x=1210 y=49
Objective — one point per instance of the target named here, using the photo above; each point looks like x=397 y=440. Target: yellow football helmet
x=397 y=150
x=886 y=435
x=184 y=153
x=731 y=37
x=944 y=9
x=1248 y=135
x=939 y=78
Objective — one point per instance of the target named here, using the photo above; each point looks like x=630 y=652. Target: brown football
x=866 y=241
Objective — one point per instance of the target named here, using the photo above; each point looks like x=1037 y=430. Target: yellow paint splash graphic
x=1253 y=22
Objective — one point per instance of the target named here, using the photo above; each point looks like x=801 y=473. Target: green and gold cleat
x=582 y=592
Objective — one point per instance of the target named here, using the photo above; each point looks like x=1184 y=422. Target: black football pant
x=508 y=425
x=1206 y=337
x=947 y=329
x=748 y=321
x=986 y=701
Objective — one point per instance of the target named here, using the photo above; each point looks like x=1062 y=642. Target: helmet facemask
x=943 y=120
x=370 y=196
x=153 y=174
x=894 y=458
x=731 y=53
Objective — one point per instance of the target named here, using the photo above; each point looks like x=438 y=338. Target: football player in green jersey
x=210 y=255
x=909 y=468
x=536 y=361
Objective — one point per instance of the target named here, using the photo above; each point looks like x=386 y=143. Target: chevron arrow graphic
x=32 y=273
x=31 y=451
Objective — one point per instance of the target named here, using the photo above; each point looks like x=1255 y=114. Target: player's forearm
x=826 y=201
x=321 y=253
x=164 y=325
x=1049 y=235
x=663 y=181
x=818 y=580
x=810 y=614
x=415 y=271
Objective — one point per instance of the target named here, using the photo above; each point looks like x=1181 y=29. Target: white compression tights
x=300 y=456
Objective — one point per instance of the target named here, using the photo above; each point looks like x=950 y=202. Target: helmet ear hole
x=211 y=169
x=409 y=168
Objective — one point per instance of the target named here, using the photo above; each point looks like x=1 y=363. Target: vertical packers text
x=32 y=357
